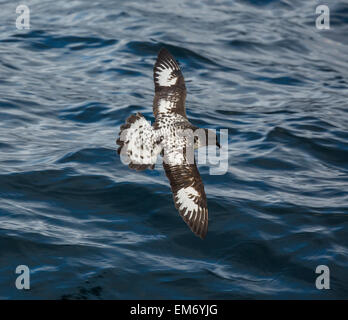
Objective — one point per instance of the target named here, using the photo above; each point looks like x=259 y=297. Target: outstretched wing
x=189 y=196
x=139 y=144
x=170 y=90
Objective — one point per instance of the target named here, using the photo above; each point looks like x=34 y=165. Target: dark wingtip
x=202 y=233
x=163 y=51
x=164 y=54
x=199 y=230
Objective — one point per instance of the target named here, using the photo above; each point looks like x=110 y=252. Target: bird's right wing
x=189 y=196
x=170 y=90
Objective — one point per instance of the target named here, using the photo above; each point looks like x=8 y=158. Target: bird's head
x=208 y=137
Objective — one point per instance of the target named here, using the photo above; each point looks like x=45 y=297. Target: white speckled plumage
x=166 y=137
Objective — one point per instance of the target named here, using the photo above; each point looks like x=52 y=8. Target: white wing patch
x=185 y=199
x=165 y=106
x=164 y=77
x=166 y=70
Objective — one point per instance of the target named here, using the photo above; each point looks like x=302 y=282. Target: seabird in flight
x=171 y=136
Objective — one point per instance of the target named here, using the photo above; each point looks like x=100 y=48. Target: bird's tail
x=138 y=143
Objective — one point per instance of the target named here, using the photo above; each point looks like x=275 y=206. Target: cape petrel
x=141 y=143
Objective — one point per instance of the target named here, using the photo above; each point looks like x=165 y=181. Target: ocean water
x=88 y=227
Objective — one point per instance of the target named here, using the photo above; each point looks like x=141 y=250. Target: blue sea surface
x=88 y=227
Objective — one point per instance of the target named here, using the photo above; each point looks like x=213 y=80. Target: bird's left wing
x=170 y=90
x=189 y=196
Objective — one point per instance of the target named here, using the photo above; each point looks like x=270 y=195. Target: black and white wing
x=170 y=90
x=189 y=196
